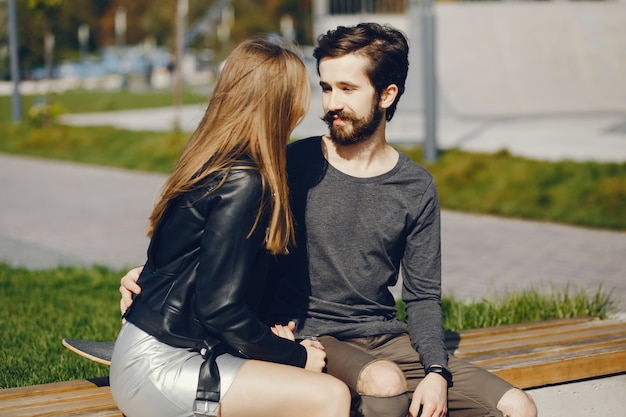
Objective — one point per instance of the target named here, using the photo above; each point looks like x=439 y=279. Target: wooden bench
x=545 y=353
x=527 y=355
x=72 y=398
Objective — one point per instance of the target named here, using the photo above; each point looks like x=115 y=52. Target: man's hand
x=431 y=396
x=315 y=355
x=128 y=287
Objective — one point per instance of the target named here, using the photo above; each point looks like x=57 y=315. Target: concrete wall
x=526 y=58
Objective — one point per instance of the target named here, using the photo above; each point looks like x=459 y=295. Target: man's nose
x=334 y=102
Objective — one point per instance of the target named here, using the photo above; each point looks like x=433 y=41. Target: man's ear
x=388 y=96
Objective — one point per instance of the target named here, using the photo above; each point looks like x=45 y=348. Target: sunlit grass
x=39 y=308
x=137 y=150
x=588 y=194
x=526 y=306
x=523 y=306
x=87 y=101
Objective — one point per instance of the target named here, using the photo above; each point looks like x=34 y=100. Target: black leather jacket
x=204 y=280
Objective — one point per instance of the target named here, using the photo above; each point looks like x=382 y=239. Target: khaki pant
x=475 y=393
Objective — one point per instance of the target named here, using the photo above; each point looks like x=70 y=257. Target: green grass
x=580 y=193
x=145 y=151
x=527 y=306
x=521 y=307
x=86 y=101
x=39 y=308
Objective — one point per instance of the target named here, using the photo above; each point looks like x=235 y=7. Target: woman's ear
x=388 y=96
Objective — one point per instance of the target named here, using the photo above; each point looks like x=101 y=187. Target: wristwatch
x=438 y=369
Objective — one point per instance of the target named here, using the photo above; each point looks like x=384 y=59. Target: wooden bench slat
x=534 y=338
x=481 y=333
x=561 y=333
x=561 y=354
x=55 y=397
x=70 y=398
x=104 y=406
x=47 y=388
x=573 y=349
x=565 y=369
x=553 y=352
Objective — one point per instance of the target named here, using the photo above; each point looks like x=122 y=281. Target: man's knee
x=381 y=379
x=516 y=403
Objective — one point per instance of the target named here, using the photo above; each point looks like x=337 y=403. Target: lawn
x=87 y=101
x=39 y=308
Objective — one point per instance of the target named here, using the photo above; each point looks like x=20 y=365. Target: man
x=363 y=213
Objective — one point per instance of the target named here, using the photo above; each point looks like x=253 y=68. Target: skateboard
x=96 y=351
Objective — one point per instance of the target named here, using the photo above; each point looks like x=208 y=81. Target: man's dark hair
x=386 y=49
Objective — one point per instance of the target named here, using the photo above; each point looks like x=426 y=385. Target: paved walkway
x=579 y=137
x=65 y=213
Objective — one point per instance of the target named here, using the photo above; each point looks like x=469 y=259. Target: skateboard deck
x=96 y=351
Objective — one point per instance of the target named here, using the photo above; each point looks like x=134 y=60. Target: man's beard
x=355 y=130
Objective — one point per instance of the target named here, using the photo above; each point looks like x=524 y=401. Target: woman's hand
x=128 y=287
x=286 y=332
x=315 y=354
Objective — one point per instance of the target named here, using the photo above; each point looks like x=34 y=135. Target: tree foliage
x=146 y=19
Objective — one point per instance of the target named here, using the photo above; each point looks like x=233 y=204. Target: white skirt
x=151 y=378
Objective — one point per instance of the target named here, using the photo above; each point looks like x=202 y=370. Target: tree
x=153 y=19
x=62 y=18
x=47 y=9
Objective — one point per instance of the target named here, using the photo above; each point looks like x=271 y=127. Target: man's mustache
x=330 y=116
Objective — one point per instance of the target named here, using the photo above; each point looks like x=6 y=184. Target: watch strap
x=438 y=369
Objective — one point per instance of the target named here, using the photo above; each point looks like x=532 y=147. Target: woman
x=192 y=341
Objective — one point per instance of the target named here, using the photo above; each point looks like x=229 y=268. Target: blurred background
x=498 y=58
x=117 y=43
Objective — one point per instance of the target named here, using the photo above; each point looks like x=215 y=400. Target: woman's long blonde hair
x=260 y=96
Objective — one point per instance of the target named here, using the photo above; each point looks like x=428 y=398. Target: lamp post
x=182 y=10
x=83 y=38
x=120 y=26
x=16 y=99
x=429 y=76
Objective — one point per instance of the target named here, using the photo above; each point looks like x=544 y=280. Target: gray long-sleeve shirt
x=353 y=236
